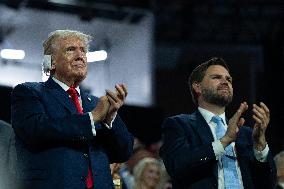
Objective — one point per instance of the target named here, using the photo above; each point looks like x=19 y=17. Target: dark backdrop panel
x=143 y=123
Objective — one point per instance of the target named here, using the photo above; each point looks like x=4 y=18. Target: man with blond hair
x=65 y=137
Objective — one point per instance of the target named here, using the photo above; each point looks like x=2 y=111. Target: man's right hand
x=101 y=110
x=233 y=126
x=116 y=100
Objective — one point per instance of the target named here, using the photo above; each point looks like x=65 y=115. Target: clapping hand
x=234 y=125
x=116 y=100
x=262 y=117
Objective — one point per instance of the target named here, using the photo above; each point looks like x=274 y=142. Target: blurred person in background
x=65 y=137
x=7 y=180
x=279 y=162
x=154 y=148
x=148 y=174
x=126 y=169
x=117 y=181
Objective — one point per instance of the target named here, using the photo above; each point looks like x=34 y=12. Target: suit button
x=83 y=178
x=86 y=155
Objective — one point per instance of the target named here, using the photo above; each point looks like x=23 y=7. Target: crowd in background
x=144 y=169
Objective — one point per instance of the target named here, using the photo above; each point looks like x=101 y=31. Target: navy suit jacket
x=190 y=160
x=54 y=145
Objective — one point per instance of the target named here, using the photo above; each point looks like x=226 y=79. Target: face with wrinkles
x=69 y=60
x=216 y=86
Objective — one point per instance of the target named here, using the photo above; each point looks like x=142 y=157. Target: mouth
x=79 y=63
x=224 y=93
x=224 y=90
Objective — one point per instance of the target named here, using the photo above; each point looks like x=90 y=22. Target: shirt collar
x=64 y=86
x=208 y=115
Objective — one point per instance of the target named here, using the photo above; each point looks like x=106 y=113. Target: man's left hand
x=262 y=117
x=116 y=100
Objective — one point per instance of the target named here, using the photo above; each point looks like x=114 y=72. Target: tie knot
x=216 y=119
x=72 y=91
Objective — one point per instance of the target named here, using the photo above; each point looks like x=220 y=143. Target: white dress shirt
x=65 y=88
x=219 y=149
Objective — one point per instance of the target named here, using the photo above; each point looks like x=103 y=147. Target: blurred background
x=152 y=46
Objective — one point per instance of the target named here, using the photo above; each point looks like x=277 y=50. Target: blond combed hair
x=49 y=45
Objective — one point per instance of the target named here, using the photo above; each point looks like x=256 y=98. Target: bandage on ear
x=46 y=63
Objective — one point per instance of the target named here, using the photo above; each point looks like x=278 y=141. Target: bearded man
x=204 y=151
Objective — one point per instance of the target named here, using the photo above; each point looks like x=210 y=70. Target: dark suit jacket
x=6 y=150
x=190 y=160
x=54 y=144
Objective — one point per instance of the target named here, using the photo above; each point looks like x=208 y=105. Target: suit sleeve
x=264 y=173
x=183 y=152
x=117 y=141
x=35 y=127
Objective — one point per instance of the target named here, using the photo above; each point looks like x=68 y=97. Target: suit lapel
x=201 y=127
x=57 y=92
x=88 y=102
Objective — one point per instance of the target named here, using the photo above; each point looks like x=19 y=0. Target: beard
x=212 y=96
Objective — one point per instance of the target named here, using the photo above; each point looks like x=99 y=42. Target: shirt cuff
x=261 y=155
x=92 y=123
x=218 y=149
x=110 y=125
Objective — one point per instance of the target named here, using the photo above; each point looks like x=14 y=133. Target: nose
x=80 y=54
x=155 y=175
x=224 y=80
x=79 y=51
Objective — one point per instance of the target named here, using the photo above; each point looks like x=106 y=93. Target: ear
x=53 y=63
x=196 y=87
x=46 y=63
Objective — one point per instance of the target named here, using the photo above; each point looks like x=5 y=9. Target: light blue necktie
x=231 y=179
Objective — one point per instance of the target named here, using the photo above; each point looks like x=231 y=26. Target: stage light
x=96 y=56
x=12 y=54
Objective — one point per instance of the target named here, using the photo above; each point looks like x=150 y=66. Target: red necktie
x=75 y=98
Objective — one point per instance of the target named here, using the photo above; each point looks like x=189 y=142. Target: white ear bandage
x=46 y=63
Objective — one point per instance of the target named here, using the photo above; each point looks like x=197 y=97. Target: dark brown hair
x=198 y=73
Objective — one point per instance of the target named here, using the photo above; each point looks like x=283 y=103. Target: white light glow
x=44 y=77
x=96 y=56
x=12 y=54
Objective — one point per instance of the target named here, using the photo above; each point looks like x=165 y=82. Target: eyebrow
x=73 y=47
x=213 y=75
